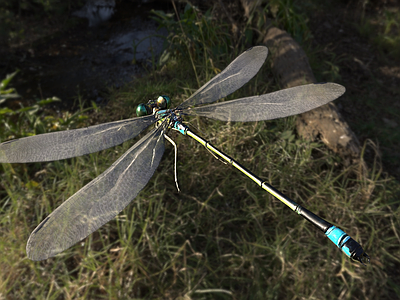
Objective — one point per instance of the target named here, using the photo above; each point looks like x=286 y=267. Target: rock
x=96 y=11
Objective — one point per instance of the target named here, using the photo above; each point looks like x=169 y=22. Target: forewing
x=233 y=77
x=71 y=143
x=99 y=201
x=275 y=105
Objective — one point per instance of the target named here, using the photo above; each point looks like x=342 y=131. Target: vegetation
x=22 y=20
x=222 y=237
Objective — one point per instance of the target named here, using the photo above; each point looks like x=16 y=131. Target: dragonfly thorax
x=162 y=102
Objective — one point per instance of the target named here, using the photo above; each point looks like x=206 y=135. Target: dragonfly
x=106 y=196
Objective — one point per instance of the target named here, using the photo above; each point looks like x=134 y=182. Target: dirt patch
x=86 y=61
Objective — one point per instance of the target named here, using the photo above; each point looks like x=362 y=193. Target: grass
x=222 y=237
x=383 y=30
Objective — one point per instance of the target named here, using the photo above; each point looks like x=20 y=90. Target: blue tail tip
x=349 y=246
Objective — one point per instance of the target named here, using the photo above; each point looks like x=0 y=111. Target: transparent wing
x=275 y=105
x=71 y=143
x=233 y=77
x=99 y=201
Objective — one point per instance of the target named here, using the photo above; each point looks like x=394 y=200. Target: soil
x=67 y=61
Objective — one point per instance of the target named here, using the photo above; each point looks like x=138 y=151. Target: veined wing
x=99 y=201
x=283 y=103
x=233 y=77
x=71 y=143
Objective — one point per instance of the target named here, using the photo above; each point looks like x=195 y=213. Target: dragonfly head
x=162 y=102
x=141 y=110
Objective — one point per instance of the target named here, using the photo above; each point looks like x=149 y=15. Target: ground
x=65 y=58
x=371 y=76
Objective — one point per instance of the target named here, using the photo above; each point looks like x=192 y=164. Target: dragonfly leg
x=176 y=159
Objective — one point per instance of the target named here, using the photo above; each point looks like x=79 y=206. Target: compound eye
x=163 y=102
x=141 y=110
